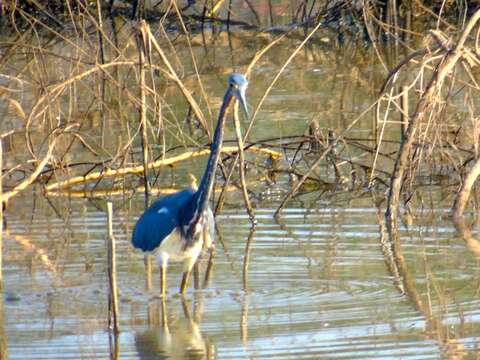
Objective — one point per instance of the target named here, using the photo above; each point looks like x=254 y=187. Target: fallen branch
x=151 y=165
x=33 y=176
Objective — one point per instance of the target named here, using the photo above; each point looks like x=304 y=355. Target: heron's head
x=238 y=84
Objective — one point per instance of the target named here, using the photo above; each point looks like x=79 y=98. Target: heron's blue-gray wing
x=159 y=220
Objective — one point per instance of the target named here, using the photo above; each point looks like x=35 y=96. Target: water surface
x=321 y=280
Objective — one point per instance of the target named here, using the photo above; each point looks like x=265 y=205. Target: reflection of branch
x=102 y=193
x=388 y=253
x=244 y=322
x=396 y=265
x=404 y=281
x=246 y=258
x=40 y=253
x=309 y=255
x=472 y=243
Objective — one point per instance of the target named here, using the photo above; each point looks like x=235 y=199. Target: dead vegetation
x=64 y=114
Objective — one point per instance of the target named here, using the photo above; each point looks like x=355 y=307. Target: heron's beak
x=240 y=96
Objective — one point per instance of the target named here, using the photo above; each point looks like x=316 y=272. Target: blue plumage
x=160 y=219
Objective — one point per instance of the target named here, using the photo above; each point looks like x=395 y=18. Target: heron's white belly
x=173 y=248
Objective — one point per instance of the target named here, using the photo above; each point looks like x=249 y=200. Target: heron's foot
x=196 y=275
x=209 y=266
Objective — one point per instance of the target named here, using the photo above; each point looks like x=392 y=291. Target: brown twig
x=463 y=194
x=305 y=176
x=196 y=109
x=424 y=105
x=33 y=176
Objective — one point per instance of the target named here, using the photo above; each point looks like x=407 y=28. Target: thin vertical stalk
x=229 y=15
x=143 y=125
x=113 y=318
x=241 y=165
x=143 y=119
x=209 y=267
x=270 y=12
x=3 y=337
x=404 y=117
x=1 y=215
x=244 y=322
x=114 y=346
x=101 y=59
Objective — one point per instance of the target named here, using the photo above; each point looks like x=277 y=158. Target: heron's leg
x=184 y=284
x=185 y=307
x=209 y=266
x=147 y=260
x=196 y=274
x=163 y=281
x=163 y=272
x=164 y=313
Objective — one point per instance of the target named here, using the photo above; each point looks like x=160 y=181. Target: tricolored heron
x=178 y=226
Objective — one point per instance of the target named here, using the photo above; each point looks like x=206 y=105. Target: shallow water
x=317 y=286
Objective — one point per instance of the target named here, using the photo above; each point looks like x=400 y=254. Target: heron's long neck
x=206 y=185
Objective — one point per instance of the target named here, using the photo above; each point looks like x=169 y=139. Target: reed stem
x=1 y=216
x=241 y=164
x=113 y=316
x=143 y=125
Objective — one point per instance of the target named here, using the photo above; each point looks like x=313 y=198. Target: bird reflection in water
x=174 y=337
